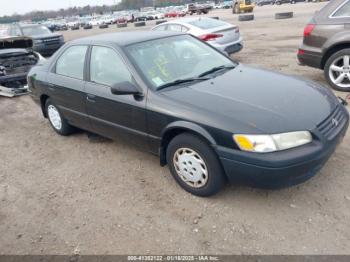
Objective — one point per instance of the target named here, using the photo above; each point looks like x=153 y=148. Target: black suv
x=44 y=41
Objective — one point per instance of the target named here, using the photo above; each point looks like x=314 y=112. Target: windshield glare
x=165 y=60
x=35 y=30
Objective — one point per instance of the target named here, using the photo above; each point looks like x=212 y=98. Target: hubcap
x=54 y=117
x=339 y=71
x=190 y=167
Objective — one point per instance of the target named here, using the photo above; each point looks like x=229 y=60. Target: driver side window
x=107 y=67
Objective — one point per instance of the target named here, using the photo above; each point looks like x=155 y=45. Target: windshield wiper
x=181 y=81
x=215 y=69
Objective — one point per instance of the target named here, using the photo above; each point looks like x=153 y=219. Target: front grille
x=330 y=127
x=51 y=41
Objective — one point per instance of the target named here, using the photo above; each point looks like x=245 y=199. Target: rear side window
x=71 y=62
x=107 y=67
x=205 y=23
x=343 y=11
x=160 y=28
x=174 y=27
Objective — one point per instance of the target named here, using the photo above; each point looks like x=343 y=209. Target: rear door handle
x=91 y=98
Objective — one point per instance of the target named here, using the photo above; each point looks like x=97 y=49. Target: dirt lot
x=64 y=195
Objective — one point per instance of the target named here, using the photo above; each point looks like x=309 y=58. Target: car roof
x=28 y=25
x=125 y=38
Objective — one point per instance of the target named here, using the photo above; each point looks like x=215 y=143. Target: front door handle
x=91 y=98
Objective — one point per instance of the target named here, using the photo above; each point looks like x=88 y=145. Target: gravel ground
x=88 y=195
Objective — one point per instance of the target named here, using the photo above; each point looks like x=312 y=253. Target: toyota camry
x=210 y=119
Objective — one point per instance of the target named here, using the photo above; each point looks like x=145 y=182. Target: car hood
x=16 y=42
x=248 y=99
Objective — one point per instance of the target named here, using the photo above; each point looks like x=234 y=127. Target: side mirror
x=124 y=88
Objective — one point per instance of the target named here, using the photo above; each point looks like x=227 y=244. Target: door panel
x=69 y=95
x=116 y=117
x=66 y=85
x=113 y=116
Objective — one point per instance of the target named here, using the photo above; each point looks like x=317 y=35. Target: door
x=114 y=116
x=66 y=85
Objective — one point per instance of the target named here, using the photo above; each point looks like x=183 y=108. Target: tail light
x=308 y=30
x=301 y=52
x=237 y=29
x=209 y=37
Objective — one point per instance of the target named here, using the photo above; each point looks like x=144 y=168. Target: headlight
x=271 y=143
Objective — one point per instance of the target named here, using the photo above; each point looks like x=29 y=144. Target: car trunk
x=229 y=34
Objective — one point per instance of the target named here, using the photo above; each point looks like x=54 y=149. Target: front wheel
x=337 y=70
x=194 y=165
x=57 y=121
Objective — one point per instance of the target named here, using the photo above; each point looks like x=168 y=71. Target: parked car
x=222 y=35
x=326 y=43
x=265 y=2
x=45 y=42
x=16 y=59
x=197 y=9
x=209 y=118
x=279 y=2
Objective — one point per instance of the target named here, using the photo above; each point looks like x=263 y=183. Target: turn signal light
x=209 y=37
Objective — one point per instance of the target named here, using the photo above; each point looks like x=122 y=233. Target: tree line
x=89 y=10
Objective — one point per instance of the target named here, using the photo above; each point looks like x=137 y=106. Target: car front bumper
x=280 y=169
x=47 y=50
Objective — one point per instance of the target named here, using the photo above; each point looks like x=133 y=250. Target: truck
x=242 y=6
x=197 y=9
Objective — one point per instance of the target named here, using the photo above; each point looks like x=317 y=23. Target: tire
x=285 y=15
x=87 y=27
x=64 y=129
x=160 y=22
x=212 y=176
x=245 y=17
x=73 y=28
x=327 y=70
x=138 y=24
x=120 y=25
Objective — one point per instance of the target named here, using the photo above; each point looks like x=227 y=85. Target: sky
x=8 y=7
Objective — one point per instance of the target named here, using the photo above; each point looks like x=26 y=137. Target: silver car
x=221 y=35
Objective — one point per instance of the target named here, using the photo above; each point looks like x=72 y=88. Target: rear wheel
x=337 y=70
x=194 y=165
x=57 y=121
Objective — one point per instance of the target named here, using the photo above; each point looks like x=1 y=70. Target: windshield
x=166 y=60
x=35 y=30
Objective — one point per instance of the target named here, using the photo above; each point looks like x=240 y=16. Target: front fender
x=190 y=127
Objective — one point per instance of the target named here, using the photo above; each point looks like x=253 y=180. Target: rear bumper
x=229 y=48
x=279 y=169
x=310 y=57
